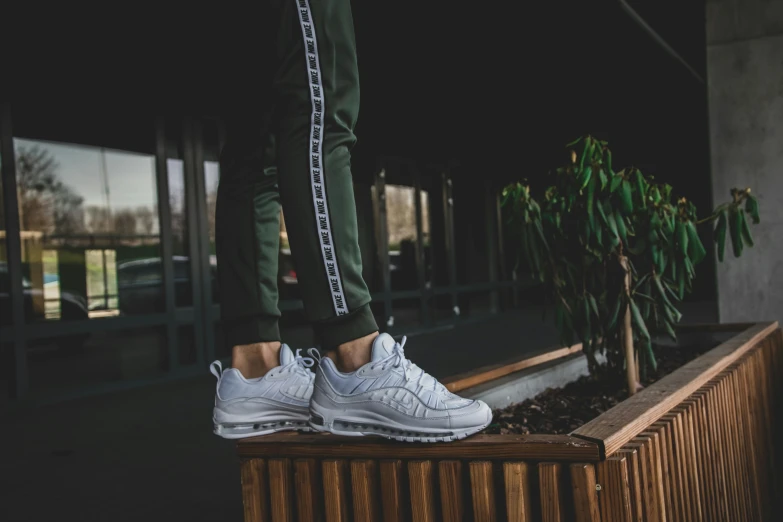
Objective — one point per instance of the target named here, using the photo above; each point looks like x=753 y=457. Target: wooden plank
x=280 y=489
x=662 y=469
x=451 y=490
x=483 y=491
x=620 y=424
x=709 y=475
x=725 y=422
x=364 y=484
x=307 y=484
x=255 y=490
x=477 y=447
x=392 y=493
x=748 y=403
x=422 y=494
x=518 y=499
x=672 y=469
x=740 y=449
x=720 y=464
x=585 y=496
x=615 y=494
x=692 y=449
x=484 y=374
x=631 y=455
x=652 y=494
x=335 y=478
x=549 y=474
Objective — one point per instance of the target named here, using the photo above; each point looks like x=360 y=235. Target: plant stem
x=631 y=371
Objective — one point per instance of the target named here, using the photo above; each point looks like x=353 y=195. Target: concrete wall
x=745 y=77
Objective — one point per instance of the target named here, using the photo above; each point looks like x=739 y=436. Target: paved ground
x=149 y=455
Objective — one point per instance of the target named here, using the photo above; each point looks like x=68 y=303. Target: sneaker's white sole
x=400 y=433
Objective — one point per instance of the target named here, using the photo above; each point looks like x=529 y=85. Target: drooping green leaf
x=696 y=249
x=616 y=181
x=752 y=208
x=734 y=230
x=747 y=238
x=608 y=156
x=640 y=187
x=720 y=234
x=682 y=237
x=636 y=316
x=625 y=197
x=647 y=345
x=603 y=178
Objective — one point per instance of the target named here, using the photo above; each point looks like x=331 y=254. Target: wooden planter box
x=696 y=445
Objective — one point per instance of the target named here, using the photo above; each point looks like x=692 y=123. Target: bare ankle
x=255 y=360
x=350 y=356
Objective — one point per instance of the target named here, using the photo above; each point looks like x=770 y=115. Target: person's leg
x=248 y=233
x=317 y=93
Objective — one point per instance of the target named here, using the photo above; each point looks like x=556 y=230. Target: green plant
x=617 y=252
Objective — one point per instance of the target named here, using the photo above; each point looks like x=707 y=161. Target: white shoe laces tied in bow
x=300 y=365
x=409 y=370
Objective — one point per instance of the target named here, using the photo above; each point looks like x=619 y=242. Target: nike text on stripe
x=316 y=159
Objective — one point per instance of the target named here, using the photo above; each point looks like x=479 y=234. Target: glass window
x=401 y=227
x=81 y=360
x=88 y=215
x=5 y=280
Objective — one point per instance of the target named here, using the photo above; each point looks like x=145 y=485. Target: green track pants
x=288 y=143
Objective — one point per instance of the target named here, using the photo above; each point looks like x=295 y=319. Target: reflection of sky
x=211 y=176
x=131 y=176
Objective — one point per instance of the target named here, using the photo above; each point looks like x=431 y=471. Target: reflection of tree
x=400 y=213
x=145 y=217
x=98 y=220
x=124 y=222
x=46 y=204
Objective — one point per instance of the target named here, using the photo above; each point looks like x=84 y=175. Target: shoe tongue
x=286 y=355
x=382 y=346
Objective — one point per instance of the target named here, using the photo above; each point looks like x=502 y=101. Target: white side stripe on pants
x=316 y=159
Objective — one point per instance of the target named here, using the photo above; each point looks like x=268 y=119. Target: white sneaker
x=392 y=397
x=278 y=401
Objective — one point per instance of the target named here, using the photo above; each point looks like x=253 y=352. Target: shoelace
x=408 y=368
x=300 y=365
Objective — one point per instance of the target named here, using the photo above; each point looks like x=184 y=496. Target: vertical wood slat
x=364 y=484
x=451 y=491
x=744 y=413
x=585 y=496
x=549 y=474
x=335 y=479
x=675 y=494
x=483 y=491
x=615 y=495
x=714 y=419
x=728 y=450
x=648 y=472
x=517 y=486
x=634 y=481
x=280 y=490
x=708 y=456
x=693 y=449
x=307 y=484
x=255 y=490
x=662 y=470
x=421 y=490
x=391 y=490
x=736 y=447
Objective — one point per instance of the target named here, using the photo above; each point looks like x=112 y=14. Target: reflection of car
x=72 y=307
x=140 y=285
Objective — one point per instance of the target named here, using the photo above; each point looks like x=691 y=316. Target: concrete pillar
x=745 y=79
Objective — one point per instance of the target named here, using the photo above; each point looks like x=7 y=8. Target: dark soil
x=562 y=410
